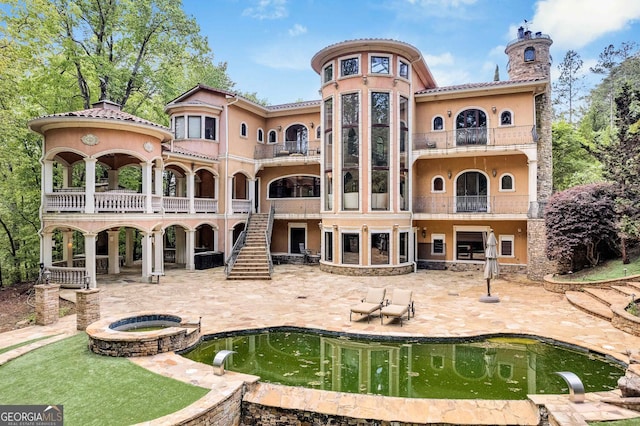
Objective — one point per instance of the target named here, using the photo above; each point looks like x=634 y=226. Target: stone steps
x=599 y=302
x=252 y=262
x=589 y=304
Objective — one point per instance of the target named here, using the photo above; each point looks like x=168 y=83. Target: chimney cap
x=106 y=104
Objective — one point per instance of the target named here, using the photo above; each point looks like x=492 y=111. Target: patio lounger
x=371 y=303
x=401 y=303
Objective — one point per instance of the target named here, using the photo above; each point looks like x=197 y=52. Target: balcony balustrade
x=497 y=204
x=241 y=206
x=297 y=206
x=499 y=136
x=287 y=149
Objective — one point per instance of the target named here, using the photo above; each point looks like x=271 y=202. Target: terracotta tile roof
x=470 y=86
x=182 y=151
x=107 y=114
x=295 y=105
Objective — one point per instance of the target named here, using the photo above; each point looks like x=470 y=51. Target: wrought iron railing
x=496 y=204
x=268 y=237
x=237 y=246
x=497 y=136
x=287 y=149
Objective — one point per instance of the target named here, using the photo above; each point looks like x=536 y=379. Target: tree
x=568 y=85
x=63 y=55
x=581 y=225
x=572 y=162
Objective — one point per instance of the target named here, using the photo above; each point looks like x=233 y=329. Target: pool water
x=491 y=368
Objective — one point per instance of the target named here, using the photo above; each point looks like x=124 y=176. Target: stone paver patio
x=447 y=305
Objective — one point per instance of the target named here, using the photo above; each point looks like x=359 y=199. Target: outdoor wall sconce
x=449 y=174
x=494 y=172
x=424 y=232
x=279 y=128
x=335 y=84
x=449 y=112
x=47 y=276
x=364 y=79
x=311 y=124
x=364 y=228
x=493 y=109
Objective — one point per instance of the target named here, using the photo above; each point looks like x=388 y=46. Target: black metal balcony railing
x=287 y=149
x=500 y=136
x=497 y=204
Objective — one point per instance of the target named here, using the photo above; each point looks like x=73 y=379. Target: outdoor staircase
x=599 y=301
x=253 y=261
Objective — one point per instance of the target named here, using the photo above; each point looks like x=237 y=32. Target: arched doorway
x=471 y=127
x=471 y=192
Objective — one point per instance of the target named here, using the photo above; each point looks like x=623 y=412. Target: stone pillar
x=538 y=265
x=147 y=256
x=90 y=258
x=146 y=186
x=128 y=247
x=47 y=304
x=87 y=307
x=114 y=251
x=190 y=250
x=90 y=185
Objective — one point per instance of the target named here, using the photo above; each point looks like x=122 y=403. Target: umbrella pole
x=489 y=287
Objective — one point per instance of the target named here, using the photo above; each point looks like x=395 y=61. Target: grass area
x=628 y=422
x=608 y=270
x=28 y=342
x=94 y=389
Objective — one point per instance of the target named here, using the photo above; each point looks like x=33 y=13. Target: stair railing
x=268 y=236
x=237 y=246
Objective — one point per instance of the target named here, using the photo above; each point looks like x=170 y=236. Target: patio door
x=471 y=192
x=297 y=240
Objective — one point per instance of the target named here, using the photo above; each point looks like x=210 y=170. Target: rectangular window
x=328 y=73
x=179 y=127
x=380 y=65
x=379 y=249
x=506 y=245
x=404 y=247
x=194 y=127
x=328 y=154
x=328 y=246
x=351 y=249
x=210 y=128
x=437 y=244
x=380 y=151
x=350 y=151
x=403 y=69
x=404 y=140
x=349 y=67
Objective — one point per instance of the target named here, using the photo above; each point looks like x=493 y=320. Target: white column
x=190 y=249
x=180 y=186
x=147 y=256
x=157 y=181
x=128 y=247
x=158 y=251
x=180 y=245
x=113 y=248
x=90 y=185
x=47 y=178
x=146 y=186
x=46 y=243
x=66 y=176
x=191 y=185
x=252 y=194
x=67 y=252
x=112 y=175
x=90 y=259
x=229 y=195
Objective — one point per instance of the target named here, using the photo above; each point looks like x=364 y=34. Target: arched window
x=438 y=123
x=296 y=139
x=318 y=132
x=471 y=127
x=260 y=136
x=243 y=130
x=295 y=187
x=471 y=192
x=273 y=137
x=506 y=183
x=505 y=118
x=437 y=184
x=529 y=54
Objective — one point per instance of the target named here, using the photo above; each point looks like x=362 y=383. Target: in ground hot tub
x=143 y=334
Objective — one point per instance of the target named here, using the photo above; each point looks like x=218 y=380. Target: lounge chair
x=371 y=303
x=401 y=303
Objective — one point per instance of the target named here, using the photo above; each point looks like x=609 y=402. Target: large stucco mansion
x=386 y=173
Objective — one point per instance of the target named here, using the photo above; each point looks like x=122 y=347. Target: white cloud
x=283 y=56
x=267 y=9
x=419 y=9
x=297 y=30
x=576 y=23
x=439 y=60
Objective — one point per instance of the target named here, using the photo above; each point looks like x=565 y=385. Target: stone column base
x=47 y=303
x=87 y=307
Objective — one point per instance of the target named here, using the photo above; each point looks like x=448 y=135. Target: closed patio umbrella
x=491 y=267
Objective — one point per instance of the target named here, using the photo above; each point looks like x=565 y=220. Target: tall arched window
x=471 y=127
x=296 y=139
x=273 y=138
x=295 y=187
x=471 y=192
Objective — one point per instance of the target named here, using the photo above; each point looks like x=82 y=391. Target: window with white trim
x=327 y=73
x=349 y=66
x=260 y=135
x=179 y=127
x=507 y=183
x=438 y=123
x=318 y=132
x=506 y=118
x=437 y=244
x=380 y=64
x=273 y=136
x=243 y=130
x=193 y=127
x=506 y=245
x=403 y=69
x=437 y=184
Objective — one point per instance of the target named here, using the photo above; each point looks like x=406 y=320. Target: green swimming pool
x=505 y=367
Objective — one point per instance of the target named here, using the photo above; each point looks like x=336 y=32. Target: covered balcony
x=472 y=204
x=475 y=136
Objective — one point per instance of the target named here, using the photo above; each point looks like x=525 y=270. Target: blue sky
x=268 y=44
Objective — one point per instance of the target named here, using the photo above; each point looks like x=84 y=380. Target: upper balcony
x=511 y=205
x=289 y=150
x=507 y=136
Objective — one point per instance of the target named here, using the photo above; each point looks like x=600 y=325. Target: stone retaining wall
x=87 y=307
x=624 y=321
x=366 y=271
x=557 y=286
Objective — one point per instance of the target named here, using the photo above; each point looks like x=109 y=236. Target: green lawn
x=28 y=342
x=610 y=269
x=94 y=389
